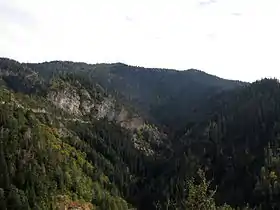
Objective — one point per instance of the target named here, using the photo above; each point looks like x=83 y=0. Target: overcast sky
x=237 y=39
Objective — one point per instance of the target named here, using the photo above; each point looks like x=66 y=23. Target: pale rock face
x=86 y=106
x=80 y=102
x=122 y=116
x=106 y=109
x=133 y=123
x=86 y=103
x=85 y=94
x=68 y=100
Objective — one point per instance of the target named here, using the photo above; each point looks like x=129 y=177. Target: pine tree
x=199 y=195
x=2 y=200
x=4 y=173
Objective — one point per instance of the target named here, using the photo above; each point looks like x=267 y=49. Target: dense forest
x=114 y=137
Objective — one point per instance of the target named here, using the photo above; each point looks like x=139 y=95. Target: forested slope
x=152 y=92
x=112 y=136
x=239 y=146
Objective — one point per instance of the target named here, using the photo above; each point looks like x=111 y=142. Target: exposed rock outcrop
x=68 y=100
x=148 y=138
x=79 y=102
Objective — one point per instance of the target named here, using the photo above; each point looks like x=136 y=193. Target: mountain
x=66 y=142
x=113 y=136
x=155 y=93
x=238 y=146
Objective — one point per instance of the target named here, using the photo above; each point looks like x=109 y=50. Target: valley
x=114 y=137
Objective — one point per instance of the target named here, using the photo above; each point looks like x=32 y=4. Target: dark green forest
x=116 y=137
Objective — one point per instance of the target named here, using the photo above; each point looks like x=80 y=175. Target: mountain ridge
x=146 y=89
x=69 y=138
x=118 y=63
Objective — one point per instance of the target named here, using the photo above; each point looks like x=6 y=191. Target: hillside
x=66 y=141
x=112 y=136
x=39 y=162
x=238 y=146
x=152 y=92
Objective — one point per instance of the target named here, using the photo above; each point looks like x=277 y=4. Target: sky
x=233 y=39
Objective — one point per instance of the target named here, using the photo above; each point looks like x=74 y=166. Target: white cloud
x=236 y=39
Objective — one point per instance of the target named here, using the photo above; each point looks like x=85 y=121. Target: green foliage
x=200 y=196
x=37 y=165
x=48 y=157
